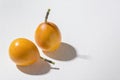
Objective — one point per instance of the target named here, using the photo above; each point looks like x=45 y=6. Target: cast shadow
x=38 y=68
x=65 y=52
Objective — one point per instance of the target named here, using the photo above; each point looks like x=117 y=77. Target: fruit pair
x=47 y=36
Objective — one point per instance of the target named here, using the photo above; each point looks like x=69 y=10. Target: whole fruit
x=24 y=52
x=47 y=35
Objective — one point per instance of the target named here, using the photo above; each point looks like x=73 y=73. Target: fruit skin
x=23 y=52
x=47 y=36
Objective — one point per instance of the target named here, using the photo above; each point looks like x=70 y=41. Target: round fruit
x=23 y=52
x=47 y=35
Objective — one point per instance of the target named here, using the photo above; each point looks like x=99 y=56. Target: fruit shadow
x=65 y=52
x=38 y=68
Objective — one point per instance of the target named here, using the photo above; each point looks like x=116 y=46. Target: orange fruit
x=23 y=52
x=47 y=35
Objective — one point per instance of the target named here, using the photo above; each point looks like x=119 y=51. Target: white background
x=90 y=29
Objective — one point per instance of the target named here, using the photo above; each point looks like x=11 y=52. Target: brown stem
x=46 y=17
x=49 y=61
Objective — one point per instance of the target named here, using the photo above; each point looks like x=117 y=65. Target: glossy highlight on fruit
x=47 y=35
x=23 y=52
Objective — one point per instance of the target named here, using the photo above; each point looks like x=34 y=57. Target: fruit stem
x=46 y=17
x=47 y=60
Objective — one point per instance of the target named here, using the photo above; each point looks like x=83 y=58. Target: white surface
x=91 y=27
